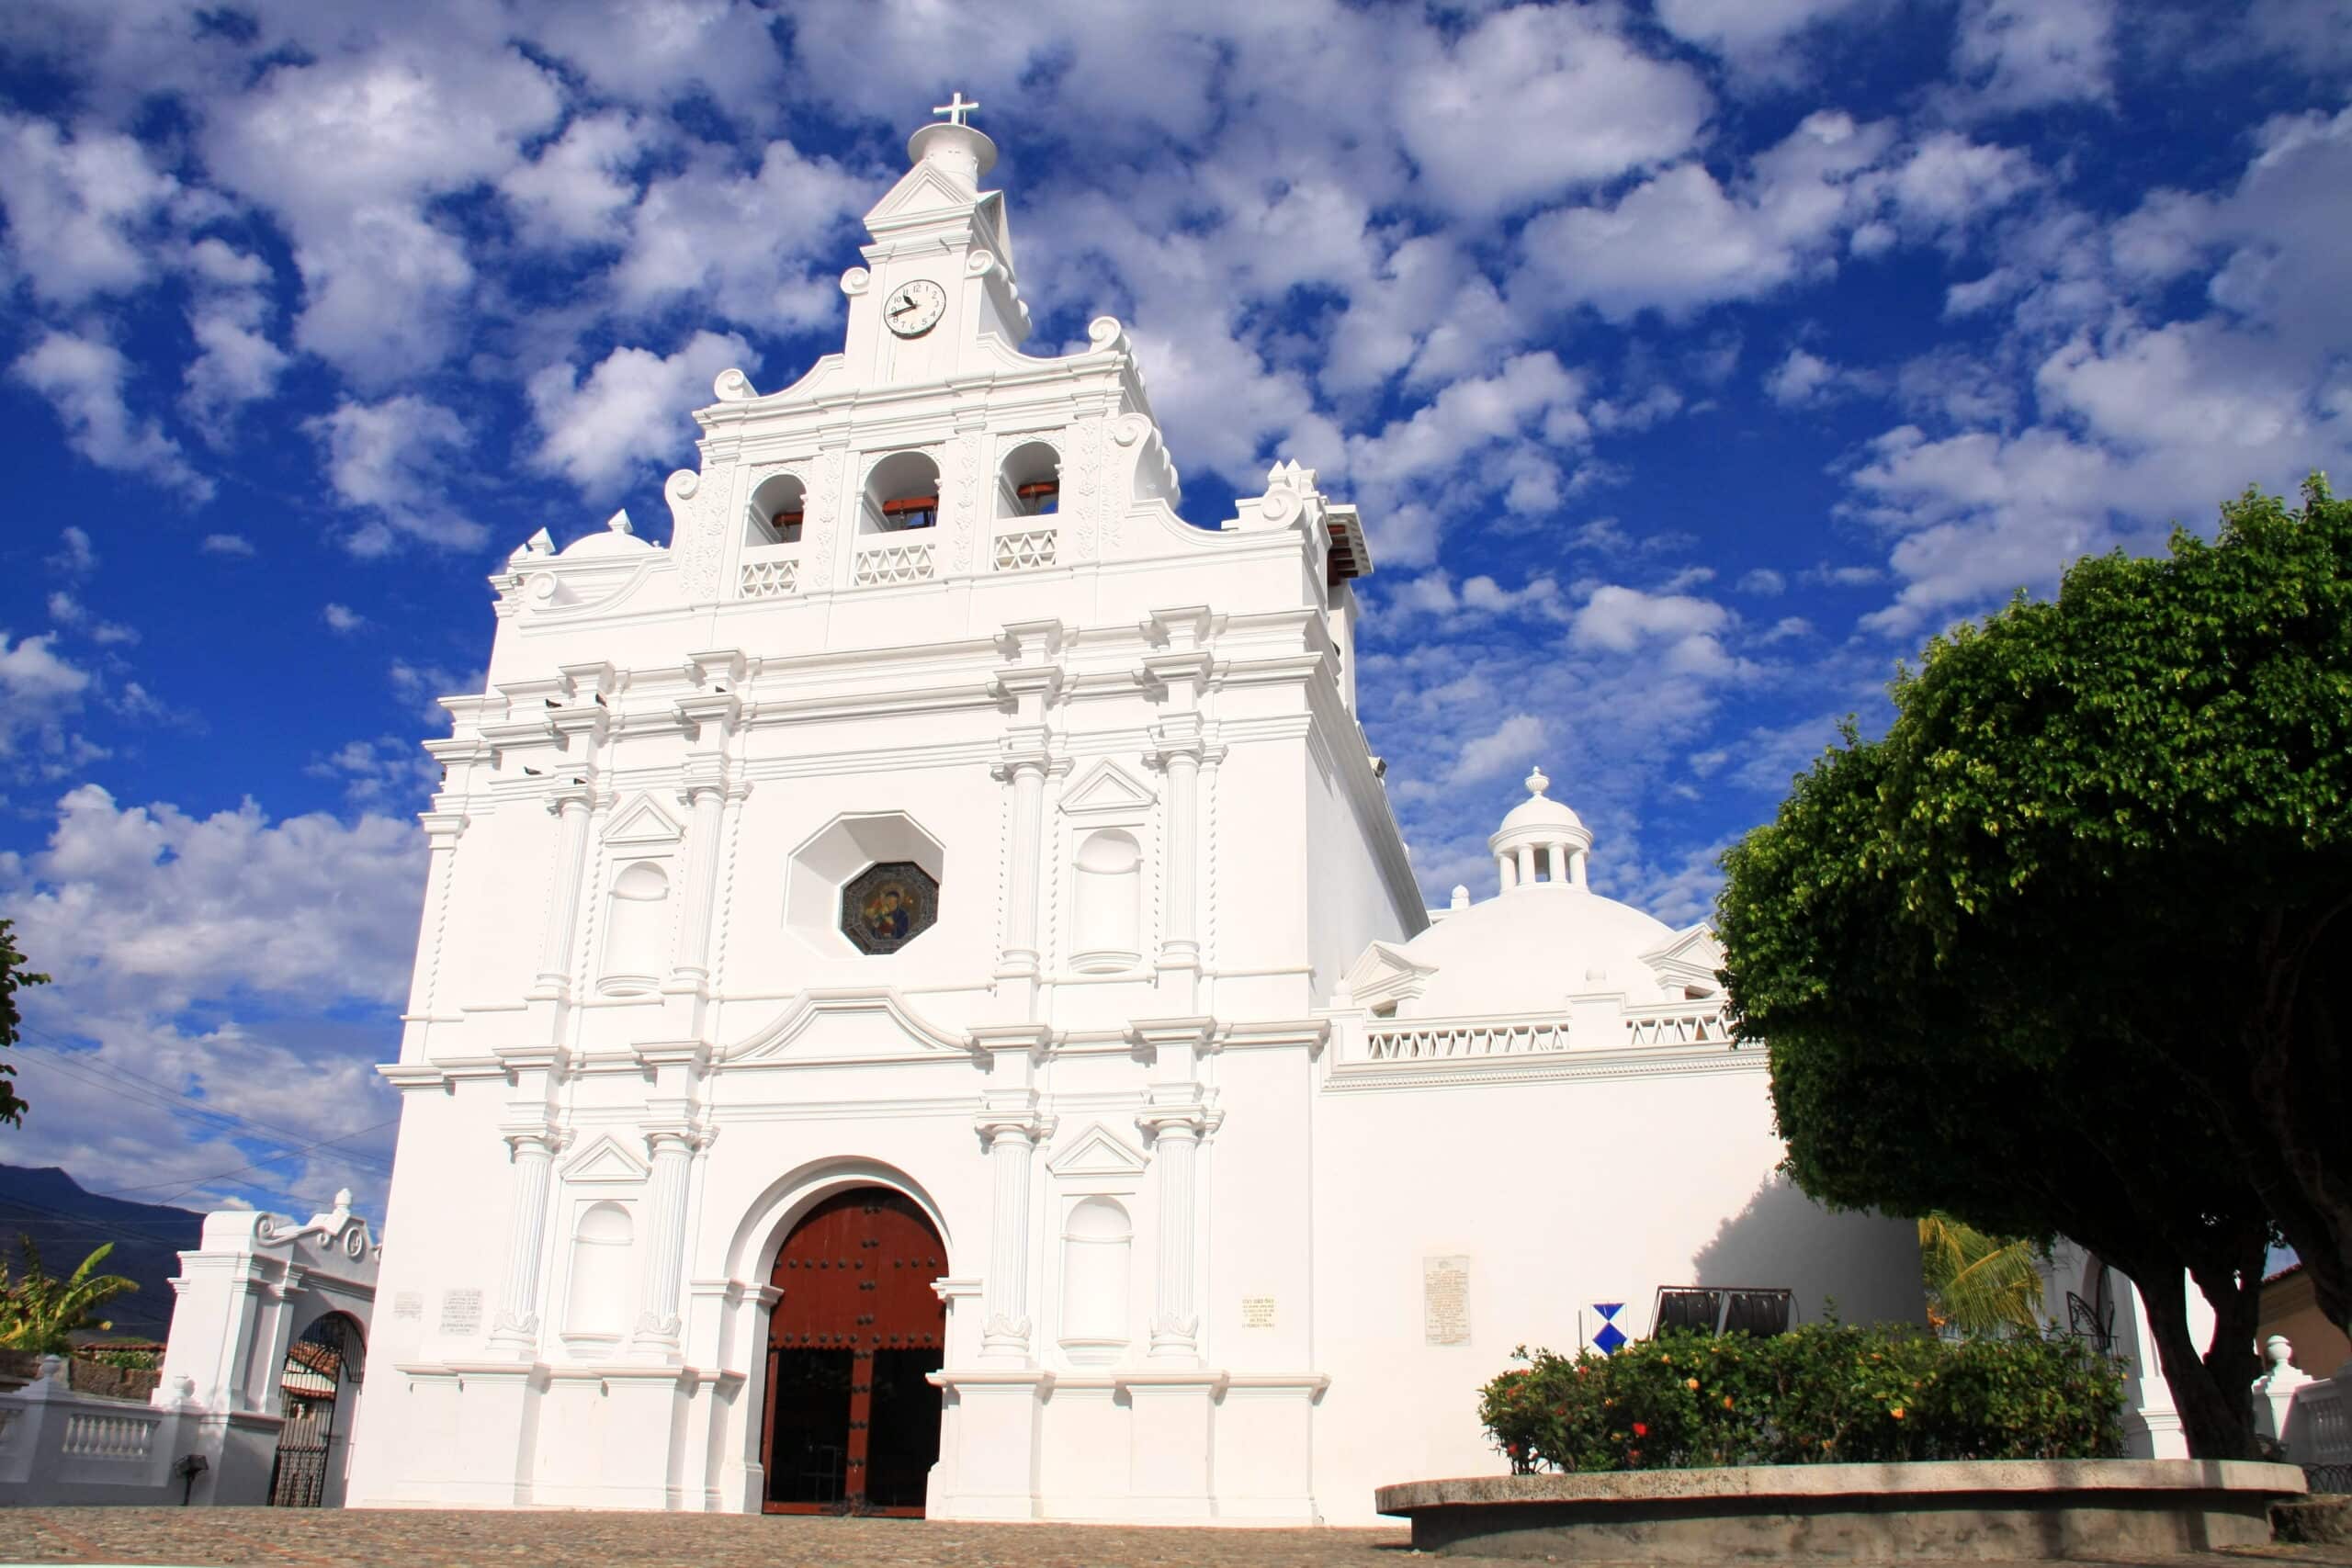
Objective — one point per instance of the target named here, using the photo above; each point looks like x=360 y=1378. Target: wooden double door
x=852 y=1424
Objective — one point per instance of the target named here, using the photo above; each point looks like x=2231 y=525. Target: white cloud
x=1680 y=241
x=84 y=380
x=2022 y=54
x=384 y=459
x=630 y=408
x=141 y=913
x=82 y=210
x=1620 y=619
x=235 y=366
x=1749 y=32
x=1515 y=741
x=1539 y=99
x=1763 y=582
x=76 y=556
x=342 y=619
x=345 y=149
x=578 y=190
x=757 y=248
x=227 y=545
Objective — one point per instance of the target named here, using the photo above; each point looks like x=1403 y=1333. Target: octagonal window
x=888 y=905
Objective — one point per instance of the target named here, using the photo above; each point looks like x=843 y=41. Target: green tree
x=39 y=1312
x=1976 y=1283
x=13 y=973
x=2051 y=956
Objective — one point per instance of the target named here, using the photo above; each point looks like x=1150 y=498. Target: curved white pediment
x=847 y=1024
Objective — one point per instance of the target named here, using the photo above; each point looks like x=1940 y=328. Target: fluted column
x=672 y=1150
x=1181 y=756
x=706 y=801
x=1030 y=687
x=517 y=1328
x=1011 y=1137
x=1176 y=1316
x=571 y=804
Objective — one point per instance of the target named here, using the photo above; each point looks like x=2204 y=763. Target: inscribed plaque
x=408 y=1303
x=1445 y=1301
x=1257 y=1312
x=462 y=1313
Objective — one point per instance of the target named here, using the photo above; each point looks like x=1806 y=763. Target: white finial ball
x=1461 y=896
x=1537 y=783
x=342 y=1198
x=2277 y=1350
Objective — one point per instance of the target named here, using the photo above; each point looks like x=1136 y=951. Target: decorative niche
x=1106 y=872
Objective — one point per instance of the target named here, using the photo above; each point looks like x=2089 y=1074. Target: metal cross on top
x=957 y=110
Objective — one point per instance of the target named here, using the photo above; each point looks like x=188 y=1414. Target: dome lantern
x=1542 y=841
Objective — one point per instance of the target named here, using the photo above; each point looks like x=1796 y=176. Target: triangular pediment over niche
x=604 y=1160
x=640 y=822
x=1097 y=1152
x=1109 y=788
x=1384 y=974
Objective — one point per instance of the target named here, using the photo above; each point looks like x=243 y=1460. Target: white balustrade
x=770 y=579
x=1678 y=1024
x=126 y=1438
x=894 y=563
x=1026 y=550
x=1436 y=1039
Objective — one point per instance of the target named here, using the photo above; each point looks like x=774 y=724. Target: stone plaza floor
x=423 y=1539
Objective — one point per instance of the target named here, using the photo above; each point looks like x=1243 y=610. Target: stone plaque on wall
x=408 y=1303
x=1257 y=1312
x=1445 y=1301
x=462 y=1313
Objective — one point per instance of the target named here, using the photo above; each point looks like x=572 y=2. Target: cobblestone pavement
x=389 y=1539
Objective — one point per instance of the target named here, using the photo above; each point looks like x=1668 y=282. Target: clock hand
x=905 y=303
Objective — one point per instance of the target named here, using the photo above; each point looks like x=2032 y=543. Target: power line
x=257 y=1165
x=70 y=1059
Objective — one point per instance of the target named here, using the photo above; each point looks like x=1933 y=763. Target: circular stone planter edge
x=1986 y=1510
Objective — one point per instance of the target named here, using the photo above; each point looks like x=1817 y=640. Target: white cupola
x=1541 y=842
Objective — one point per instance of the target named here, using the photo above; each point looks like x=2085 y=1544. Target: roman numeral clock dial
x=913 y=308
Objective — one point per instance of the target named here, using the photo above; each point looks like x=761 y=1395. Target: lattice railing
x=1440 y=1038
x=1677 y=1024
x=125 y=1438
x=770 y=578
x=894 y=563
x=1026 y=550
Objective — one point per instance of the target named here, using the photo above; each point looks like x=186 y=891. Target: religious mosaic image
x=887 y=906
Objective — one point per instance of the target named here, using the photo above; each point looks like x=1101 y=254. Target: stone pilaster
x=1178 y=1116
x=533 y=1146
x=1030 y=686
x=1010 y=1126
x=1182 y=672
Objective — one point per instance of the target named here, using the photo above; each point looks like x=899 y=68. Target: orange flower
x=1896 y=1411
x=1691 y=1383
x=1726 y=1402
x=1640 y=1431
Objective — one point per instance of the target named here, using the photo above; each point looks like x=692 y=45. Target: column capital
x=718 y=670
x=1027 y=750
x=998 y=1125
x=442 y=827
x=1190 y=1121
x=707 y=773
x=541 y=1138
x=1181 y=627
x=711 y=715
x=1180 y=734
x=565 y=795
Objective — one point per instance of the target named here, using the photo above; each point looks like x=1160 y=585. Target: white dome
x=1538 y=810
x=1535 y=947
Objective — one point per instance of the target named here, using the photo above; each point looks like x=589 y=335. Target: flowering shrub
x=1823 y=1393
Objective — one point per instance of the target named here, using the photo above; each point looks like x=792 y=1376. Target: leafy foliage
x=13 y=975
x=1822 y=1393
x=2051 y=957
x=40 y=1313
x=1979 y=1284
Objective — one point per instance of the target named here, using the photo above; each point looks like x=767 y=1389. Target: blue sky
x=1692 y=361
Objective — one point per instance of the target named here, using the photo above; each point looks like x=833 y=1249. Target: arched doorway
x=319 y=1368
x=852 y=1424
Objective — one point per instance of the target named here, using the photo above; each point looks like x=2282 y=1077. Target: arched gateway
x=852 y=1423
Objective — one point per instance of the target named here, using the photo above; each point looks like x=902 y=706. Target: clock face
x=913 y=308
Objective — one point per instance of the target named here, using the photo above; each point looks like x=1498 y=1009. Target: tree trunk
x=2217 y=1420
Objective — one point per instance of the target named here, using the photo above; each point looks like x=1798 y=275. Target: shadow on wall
x=1867 y=1264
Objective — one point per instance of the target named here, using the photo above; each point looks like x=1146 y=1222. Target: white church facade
x=922 y=1004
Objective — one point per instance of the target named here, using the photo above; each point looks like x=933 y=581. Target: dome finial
x=1537 y=783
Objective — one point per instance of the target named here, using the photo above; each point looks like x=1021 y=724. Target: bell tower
x=939 y=272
